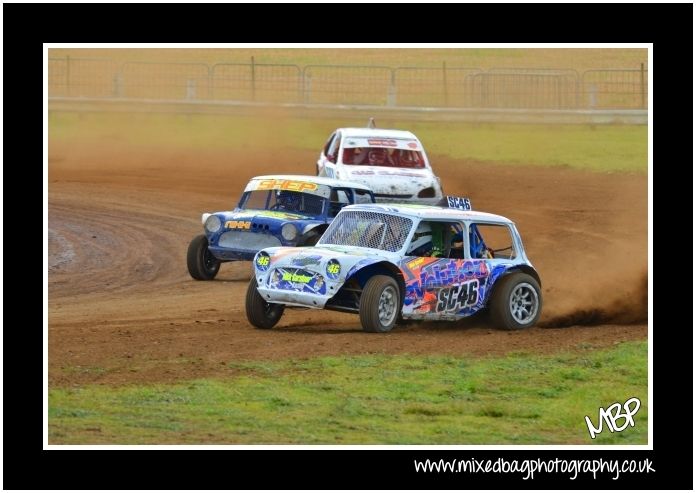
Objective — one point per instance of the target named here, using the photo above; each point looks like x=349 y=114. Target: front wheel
x=380 y=304
x=202 y=265
x=516 y=302
x=259 y=312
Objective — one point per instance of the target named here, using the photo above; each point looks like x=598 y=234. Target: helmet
x=422 y=242
x=289 y=201
x=377 y=156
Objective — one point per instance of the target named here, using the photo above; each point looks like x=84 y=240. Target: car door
x=448 y=286
x=493 y=248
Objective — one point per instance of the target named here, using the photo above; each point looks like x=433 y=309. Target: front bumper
x=241 y=245
x=294 y=298
x=222 y=253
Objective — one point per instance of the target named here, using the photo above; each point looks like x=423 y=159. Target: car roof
x=429 y=212
x=319 y=180
x=376 y=132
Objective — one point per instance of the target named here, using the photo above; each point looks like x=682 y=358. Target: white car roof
x=429 y=212
x=319 y=180
x=381 y=133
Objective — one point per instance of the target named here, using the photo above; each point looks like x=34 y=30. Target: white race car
x=392 y=163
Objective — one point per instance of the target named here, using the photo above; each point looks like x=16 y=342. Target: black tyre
x=261 y=314
x=380 y=304
x=202 y=265
x=516 y=302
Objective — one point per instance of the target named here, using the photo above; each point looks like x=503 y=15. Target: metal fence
x=440 y=87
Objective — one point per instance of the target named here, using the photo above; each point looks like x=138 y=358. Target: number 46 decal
x=458 y=296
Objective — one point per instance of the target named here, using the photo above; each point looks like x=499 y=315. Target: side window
x=332 y=155
x=339 y=198
x=362 y=197
x=328 y=144
x=491 y=241
x=439 y=239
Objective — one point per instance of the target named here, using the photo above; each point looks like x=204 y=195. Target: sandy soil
x=123 y=309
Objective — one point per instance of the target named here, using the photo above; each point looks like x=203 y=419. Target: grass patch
x=377 y=399
x=604 y=148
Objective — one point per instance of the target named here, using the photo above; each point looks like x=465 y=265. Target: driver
x=377 y=157
x=422 y=242
x=428 y=241
x=287 y=201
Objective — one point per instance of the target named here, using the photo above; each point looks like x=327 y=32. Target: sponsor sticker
x=382 y=142
x=292 y=185
x=238 y=224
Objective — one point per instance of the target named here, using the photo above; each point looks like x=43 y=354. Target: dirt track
x=122 y=307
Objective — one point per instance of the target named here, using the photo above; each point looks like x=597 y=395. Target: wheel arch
x=526 y=269
x=317 y=228
x=365 y=272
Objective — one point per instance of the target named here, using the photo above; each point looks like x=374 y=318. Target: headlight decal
x=262 y=261
x=333 y=269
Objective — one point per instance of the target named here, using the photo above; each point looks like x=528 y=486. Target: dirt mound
x=122 y=307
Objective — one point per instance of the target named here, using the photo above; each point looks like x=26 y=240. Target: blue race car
x=392 y=262
x=283 y=210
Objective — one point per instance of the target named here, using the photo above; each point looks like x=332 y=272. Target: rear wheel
x=516 y=302
x=380 y=304
x=202 y=265
x=259 y=312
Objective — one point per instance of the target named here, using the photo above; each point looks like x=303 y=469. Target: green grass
x=597 y=148
x=518 y=399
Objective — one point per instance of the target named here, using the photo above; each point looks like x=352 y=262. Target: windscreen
x=368 y=229
x=284 y=201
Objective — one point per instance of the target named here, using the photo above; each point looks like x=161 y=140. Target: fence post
x=67 y=74
x=391 y=91
x=118 y=84
x=209 y=89
x=642 y=85
x=190 y=89
x=253 y=80
x=444 y=82
x=307 y=85
x=559 y=96
x=592 y=96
